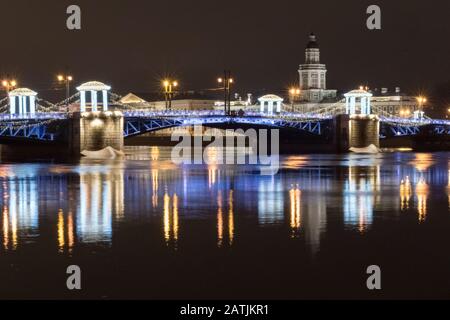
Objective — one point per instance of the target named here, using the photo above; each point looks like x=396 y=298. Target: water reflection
x=405 y=193
x=360 y=190
x=295 y=218
x=170 y=218
x=422 y=194
x=223 y=222
x=20 y=207
x=270 y=200
x=90 y=202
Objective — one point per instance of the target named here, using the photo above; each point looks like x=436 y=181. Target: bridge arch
x=134 y=126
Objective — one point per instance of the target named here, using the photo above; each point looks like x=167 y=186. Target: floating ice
x=106 y=153
x=369 y=149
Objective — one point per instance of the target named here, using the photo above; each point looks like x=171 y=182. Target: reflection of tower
x=20 y=208
x=315 y=217
x=270 y=200
x=101 y=194
x=359 y=194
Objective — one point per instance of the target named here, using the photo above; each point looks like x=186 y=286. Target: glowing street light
x=66 y=79
x=169 y=86
x=293 y=94
x=421 y=100
x=9 y=85
x=226 y=81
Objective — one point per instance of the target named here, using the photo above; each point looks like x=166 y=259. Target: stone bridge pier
x=95 y=130
x=95 y=127
x=357 y=127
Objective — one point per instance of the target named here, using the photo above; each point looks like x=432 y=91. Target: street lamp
x=293 y=93
x=9 y=85
x=169 y=86
x=66 y=79
x=422 y=100
x=226 y=81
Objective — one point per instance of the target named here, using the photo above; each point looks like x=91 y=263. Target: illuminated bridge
x=41 y=125
x=26 y=117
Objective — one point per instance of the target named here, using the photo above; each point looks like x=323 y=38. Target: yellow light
x=13 y=83
x=166 y=83
x=361 y=87
x=219 y=80
x=69 y=78
x=60 y=78
x=231 y=80
x=96 y=123
x=5 y=83
x=175 y=83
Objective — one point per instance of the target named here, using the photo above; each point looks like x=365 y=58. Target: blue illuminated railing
x=33 y=116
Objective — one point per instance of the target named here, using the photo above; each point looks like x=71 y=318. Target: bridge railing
x=218 y=113
x=33 y=116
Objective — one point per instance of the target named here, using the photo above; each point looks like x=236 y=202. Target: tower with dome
x=313 y=81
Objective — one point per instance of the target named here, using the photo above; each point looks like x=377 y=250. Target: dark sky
x=131 y=44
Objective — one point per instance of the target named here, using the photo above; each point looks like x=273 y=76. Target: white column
x=94 y=100
x=24 y=98
x=278 y=106
x=270 y=108
x=32 y=104
x=12 y=104
x=352 y=105
x=105 y=100
x=82 y=101
x=347 y=105
x=368 y=107
x=261 y=108
x=363 y=105
x=20 y=104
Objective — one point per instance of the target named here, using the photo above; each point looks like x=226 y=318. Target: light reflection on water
x=88 y=203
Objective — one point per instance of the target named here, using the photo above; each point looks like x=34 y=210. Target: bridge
x=40 y=120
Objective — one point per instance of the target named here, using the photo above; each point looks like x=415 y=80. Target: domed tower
x=312 y=51
x=313 y=82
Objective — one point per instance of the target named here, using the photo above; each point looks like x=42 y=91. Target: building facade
x=315 y=97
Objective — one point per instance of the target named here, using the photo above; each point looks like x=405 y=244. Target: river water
x=143 y=227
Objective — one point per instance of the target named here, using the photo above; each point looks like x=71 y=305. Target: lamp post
x=422 y=100
x=169 y=86
x=226 y=81
x=66 y=79
x=419 y=113
x=9 y=85
x=293 y=93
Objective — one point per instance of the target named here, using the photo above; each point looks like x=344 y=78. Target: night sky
x=132 y=44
